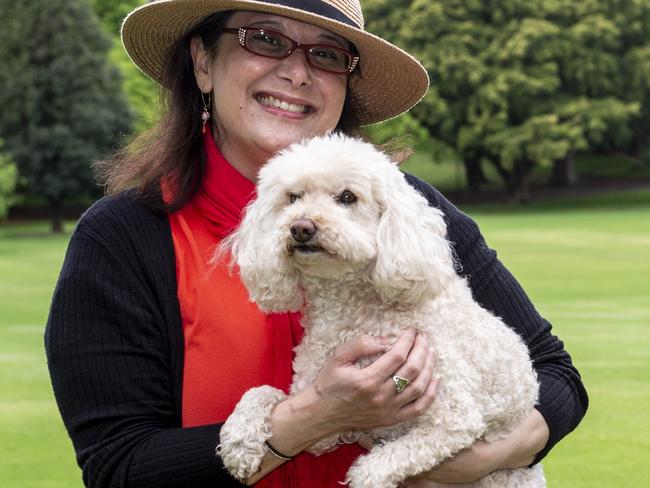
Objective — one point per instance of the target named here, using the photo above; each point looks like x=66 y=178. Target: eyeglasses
x=271 y=44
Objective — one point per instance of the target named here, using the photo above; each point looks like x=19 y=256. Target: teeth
x=289 y=107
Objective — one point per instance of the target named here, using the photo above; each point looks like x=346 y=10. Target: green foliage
x=523 y=83
x=141 y=91
x=62 y=102
x=404 y=127
x=8 y=180
x=112 y=13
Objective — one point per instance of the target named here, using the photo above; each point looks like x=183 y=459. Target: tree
x=62 y=102
x=112 y=12
x=8 y=180
x=141 y=91
x=517 y=83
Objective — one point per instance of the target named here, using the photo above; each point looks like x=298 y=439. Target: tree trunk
x=640 y=130
x=475 y=175
x=521 y=180
x=506 y=176
x=563 y=174
x=56 y=217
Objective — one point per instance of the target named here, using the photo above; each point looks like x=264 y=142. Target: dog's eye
x=347 y=197
x=293 y=197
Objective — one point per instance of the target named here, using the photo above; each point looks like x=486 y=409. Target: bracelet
x=277 y=453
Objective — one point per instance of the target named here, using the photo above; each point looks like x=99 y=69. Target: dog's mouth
x=305 y=249
x=308 y=249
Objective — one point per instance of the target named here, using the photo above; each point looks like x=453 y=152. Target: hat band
x=317 y=7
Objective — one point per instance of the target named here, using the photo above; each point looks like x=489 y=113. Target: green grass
x=584 y=262
x=586 y=265
x=34 y=448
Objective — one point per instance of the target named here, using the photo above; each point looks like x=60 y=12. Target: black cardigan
x=114 y=344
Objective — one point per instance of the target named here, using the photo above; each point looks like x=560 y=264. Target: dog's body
x=337 y=231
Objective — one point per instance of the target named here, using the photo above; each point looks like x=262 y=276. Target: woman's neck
x=248 y=161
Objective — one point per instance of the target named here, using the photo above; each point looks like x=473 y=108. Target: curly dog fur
x=337 y=232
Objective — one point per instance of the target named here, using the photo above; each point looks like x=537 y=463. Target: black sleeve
x=114 y=362
x=563 y=399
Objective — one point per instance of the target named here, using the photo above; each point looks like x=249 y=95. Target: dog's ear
x=414 y=258
x=257 y=250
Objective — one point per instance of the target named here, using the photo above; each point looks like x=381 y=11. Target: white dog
x=338 y=232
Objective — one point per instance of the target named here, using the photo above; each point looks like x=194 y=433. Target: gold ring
x=400 y=383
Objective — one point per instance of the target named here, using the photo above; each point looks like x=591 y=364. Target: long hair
x=172 y=150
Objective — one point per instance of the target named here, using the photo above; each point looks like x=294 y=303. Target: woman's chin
x=273 y=145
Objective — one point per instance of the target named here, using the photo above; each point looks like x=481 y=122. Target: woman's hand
x=354 y=398
x=516 y=450
x=346 y=397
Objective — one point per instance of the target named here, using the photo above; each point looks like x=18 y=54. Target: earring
x=205 y=116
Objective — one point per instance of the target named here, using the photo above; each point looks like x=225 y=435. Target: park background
x=537 y=124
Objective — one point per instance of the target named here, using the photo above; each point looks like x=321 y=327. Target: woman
x=150 y=347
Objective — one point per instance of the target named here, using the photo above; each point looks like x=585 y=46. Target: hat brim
x=390 y=81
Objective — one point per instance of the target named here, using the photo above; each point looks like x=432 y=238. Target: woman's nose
x=296 y=68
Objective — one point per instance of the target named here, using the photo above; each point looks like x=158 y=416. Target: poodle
x=337 y=232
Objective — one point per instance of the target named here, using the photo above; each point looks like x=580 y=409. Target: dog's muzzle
x=303 y=232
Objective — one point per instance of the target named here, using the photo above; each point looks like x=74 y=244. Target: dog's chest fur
x=467 y=340
x=335 y=313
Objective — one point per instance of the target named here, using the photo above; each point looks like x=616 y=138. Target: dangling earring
x=205 y=116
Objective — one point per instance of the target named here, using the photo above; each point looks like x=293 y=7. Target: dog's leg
x=409 y=455
x=389 y=465
x=243 y=434
x=514 y=478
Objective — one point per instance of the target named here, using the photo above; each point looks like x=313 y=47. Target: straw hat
x=390 y=81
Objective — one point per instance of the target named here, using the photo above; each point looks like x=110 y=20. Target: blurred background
x=537 y=124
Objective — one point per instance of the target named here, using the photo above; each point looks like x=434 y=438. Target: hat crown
x=346 y=11
x=350 y=8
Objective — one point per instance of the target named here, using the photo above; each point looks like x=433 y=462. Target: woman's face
x=245 y=87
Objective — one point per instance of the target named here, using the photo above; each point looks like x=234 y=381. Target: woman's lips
x=277 y=104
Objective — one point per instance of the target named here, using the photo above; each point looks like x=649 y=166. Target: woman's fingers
x=418 y=406
x=360 y=346
x=365 y=398
x=414 y=367
x=386 y=365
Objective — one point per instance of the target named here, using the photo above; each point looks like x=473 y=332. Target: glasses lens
x=330 y=58
x=275 y=45
x=267 y=43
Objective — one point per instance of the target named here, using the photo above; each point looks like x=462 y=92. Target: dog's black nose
x=303 y=230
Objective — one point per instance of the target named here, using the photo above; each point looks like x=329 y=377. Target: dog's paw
x=242 y=437
x=365 y=474
x=240 y=465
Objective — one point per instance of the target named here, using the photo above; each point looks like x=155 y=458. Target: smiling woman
x=254 y=94
x=151 y=344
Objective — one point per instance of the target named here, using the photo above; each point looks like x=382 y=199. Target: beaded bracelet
x=277 y=453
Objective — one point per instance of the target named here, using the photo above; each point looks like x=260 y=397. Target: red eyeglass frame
x=241 y=33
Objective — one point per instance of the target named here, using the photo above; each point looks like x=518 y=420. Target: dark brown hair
x=172 y=150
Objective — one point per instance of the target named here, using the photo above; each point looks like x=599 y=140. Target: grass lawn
x=585 y=263
x=35 y=451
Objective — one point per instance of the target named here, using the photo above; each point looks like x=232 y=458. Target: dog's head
x=332 y=206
